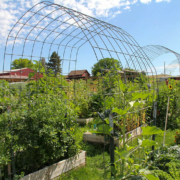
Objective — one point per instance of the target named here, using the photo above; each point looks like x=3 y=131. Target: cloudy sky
x=150 y=22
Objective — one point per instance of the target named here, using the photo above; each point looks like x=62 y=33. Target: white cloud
x=145 y=1
x=101 y=8
x=12 y=10
x=127 y=7
x=162 y=0
x=134 y=1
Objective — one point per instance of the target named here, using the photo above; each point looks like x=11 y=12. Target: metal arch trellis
x=172 y=66
x=49 y=27
x=154 y=51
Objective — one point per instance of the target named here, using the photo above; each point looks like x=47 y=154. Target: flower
x=176 y=132
x=170 y=86
x=175 y=136
x=175 y=140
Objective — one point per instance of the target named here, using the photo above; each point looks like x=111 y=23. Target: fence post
x=166 y=122
x=9 y=171
x=111 y=143
x=154 y=123
x=11 y=146
x=0 y=173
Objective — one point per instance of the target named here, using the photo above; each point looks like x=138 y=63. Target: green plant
x=164 y=92
x=103 y=65
x=128 y=166
x=177 y=138
x=43 y=131
x=162 y=175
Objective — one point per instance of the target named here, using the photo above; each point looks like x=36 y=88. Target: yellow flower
x=170 y=86
x=175 y=82
x=71 y=129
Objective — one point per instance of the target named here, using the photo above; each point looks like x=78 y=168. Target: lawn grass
x=94 y=169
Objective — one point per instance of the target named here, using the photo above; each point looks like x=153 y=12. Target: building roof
x=12 y=70
x=14 y=77
x=77 y=72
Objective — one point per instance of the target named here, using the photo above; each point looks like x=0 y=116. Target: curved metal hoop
x=65 y=31
x=154 y=51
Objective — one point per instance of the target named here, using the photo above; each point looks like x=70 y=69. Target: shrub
x=163 y=175
x=39 y=134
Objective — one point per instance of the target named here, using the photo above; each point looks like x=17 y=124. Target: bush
x=163 y=175
x=40 y=134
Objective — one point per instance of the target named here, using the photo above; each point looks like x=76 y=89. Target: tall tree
x=21 y=63
x=54 y=63
x=106 y=63
x=43 y=62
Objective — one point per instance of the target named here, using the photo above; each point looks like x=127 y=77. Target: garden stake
x=111 y=144
x=9 y=171
x=154 y=124
x=166 y=122
x=0 y=173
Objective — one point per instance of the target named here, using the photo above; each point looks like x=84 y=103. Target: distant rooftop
x=12 y=70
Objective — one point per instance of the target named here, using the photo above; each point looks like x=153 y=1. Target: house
x=78 y=74
x=19 y=75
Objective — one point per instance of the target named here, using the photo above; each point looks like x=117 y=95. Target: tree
x=43 y=62
x=54 y=63
x=21 y=63
x=106 y=63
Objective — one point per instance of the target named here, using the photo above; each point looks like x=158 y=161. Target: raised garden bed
x=84 y=120
x=55 y=170
x=94 y=138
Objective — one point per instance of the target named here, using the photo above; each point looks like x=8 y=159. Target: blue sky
x=150 y=22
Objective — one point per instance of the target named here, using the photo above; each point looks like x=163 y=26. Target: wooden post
x=154 y=124
x=0 y=173
x=166 y=122
x=111 y=143
x=9 y=171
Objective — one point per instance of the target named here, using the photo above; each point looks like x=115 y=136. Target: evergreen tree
x=54 y=63
x=43 y=63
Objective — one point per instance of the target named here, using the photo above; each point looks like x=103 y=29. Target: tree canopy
x=21 y=63
x=106 y=63
x=54 y=63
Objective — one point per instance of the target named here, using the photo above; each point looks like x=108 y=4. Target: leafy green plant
x=43 y=131
x=172 y=91
x=177 y=138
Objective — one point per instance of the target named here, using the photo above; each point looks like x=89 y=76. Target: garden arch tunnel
x=155 y=51
x=48 y=27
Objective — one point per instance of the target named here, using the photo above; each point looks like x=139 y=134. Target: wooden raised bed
x=93 y=138
x=55 y=170
x=84 y=120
